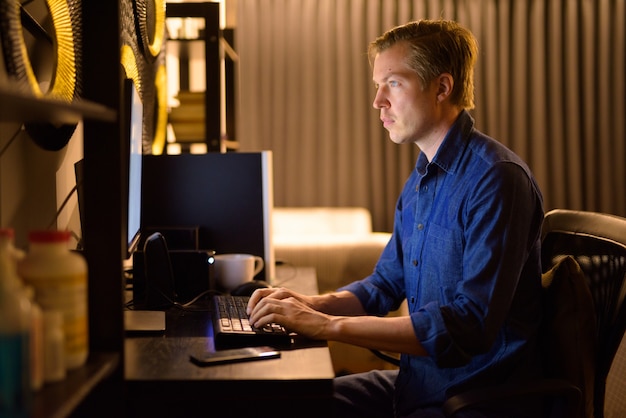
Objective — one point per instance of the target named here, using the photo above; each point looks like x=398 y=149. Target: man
x=465 y=249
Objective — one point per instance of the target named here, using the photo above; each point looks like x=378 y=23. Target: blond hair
x=436 y=47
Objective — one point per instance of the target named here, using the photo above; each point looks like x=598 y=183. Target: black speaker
x=160 y=279
x=158 y=286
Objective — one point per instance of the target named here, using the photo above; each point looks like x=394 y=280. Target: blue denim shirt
x=465 y=253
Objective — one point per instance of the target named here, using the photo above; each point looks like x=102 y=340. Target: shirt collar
x=449 y=153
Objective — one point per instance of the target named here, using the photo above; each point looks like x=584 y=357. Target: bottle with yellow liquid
x=59 y=277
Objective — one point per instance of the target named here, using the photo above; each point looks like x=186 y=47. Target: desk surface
x=161 y=378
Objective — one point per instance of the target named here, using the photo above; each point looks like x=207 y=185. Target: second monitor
x=228 y=197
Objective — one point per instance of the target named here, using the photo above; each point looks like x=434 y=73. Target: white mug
x=232 y=270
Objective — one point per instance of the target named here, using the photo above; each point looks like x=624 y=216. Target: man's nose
x=379 y=101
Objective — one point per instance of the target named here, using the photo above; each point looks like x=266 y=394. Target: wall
x=35 y=182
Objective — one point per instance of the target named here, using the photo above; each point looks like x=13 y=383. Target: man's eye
x=393 y=83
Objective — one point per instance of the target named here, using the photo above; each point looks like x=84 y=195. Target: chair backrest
x=568 y=336
x=598 y=244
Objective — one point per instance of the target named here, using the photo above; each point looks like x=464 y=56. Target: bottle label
x=67 y=294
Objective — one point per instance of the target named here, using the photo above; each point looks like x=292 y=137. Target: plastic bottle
x=36 y=327
x=15 y=323
x=59 y=277
x=36 y=340
x=54 y=342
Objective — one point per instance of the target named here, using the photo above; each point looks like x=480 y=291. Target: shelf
x=198 y=39
x=213 y=112
x=18 y=106
x=59 y=400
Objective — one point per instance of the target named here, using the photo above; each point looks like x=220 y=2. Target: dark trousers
x=370 y=395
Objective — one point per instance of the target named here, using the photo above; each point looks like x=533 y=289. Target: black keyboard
x=231 y=328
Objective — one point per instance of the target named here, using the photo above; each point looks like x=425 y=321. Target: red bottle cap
x=49 y=236
x=7 y=232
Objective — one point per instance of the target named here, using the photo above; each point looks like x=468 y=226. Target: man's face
x=406 y=109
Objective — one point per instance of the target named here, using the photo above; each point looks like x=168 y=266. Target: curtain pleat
x=550 y=84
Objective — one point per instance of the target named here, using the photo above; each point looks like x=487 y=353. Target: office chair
x=578 y=247
x=598 y=243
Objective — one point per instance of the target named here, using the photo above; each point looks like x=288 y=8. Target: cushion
x=569 y=332
x=302 y=223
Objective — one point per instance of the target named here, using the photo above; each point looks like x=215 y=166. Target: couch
x=337 y=241
x=340 y=244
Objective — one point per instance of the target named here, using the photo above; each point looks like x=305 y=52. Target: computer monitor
x=131 y=166
x=133 y=131
x=228 y=197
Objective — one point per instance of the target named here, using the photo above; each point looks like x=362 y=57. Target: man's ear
x=445 y=84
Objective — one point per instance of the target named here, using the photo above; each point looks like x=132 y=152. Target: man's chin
x=397 y=139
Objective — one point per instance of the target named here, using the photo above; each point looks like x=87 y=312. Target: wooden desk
x=162 y=382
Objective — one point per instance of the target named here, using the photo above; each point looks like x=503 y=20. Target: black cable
x=393 y=360
x=67 y=199
x=8 y=144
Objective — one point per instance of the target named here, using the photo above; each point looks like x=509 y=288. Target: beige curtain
x=550 y=85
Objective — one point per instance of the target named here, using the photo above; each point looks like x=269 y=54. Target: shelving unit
x=59 y=400
x=102 y=219
x=215 y=101
x=82 y=392
x=98 y=388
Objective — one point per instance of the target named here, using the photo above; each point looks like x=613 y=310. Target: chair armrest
x=566 y=396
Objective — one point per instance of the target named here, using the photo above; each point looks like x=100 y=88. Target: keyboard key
x=232 y=326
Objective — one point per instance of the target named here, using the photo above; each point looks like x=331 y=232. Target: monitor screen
x=227 y=197
x=134 y=129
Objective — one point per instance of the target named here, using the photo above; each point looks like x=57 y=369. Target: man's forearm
x=381 y=333
x=339 y=303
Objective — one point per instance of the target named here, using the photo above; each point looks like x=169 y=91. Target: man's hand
x=335 y=316
x=292 y=310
